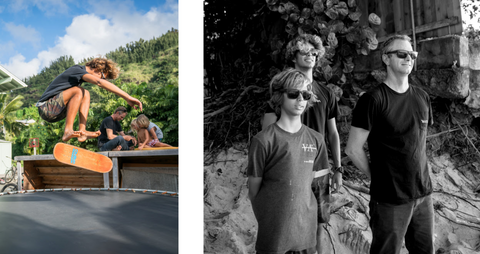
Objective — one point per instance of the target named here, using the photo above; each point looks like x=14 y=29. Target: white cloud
x=24 y=34
x=20 y=68
x=95 y=34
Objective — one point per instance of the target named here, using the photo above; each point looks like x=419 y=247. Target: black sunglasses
x=313 y=52
x=403 y=54
x=294 y=93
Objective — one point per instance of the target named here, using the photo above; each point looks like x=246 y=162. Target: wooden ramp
x=44 y=172
x=150 y=169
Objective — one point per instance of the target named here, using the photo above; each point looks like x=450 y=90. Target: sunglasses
x=294 y=93
x=403 y=54
x=312 y=52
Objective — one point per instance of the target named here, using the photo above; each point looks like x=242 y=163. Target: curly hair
x=298 y=43
x=107 y=66
x=287 y=79
x=143 y=121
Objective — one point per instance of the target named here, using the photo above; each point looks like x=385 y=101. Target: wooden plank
x=48 y=163
x=426 y=27
x=170 y=171
x=72 y=175
x=76 y=183
x=429 y=11
x=383 y=13
x=398 y=15
x=34 y=157
x=456 y=12
x=59 y=180
x=441 y=14
x=149 y=165
x=66 y=170
x=143 y=153
x=407 y=16
x=58 y=186
x=419 y=12
x=31 y=179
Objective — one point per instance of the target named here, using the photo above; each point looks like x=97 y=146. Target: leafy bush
x=337 y=24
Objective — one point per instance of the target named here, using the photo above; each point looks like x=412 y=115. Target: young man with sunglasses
x=303 y=53
x=64 y=97
x=283 y=159
x=393 y=118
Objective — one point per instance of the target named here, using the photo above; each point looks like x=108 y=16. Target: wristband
x=339 y=169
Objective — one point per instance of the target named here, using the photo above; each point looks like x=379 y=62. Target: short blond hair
x=107 y=66
x=142 y=121
x=134 y=124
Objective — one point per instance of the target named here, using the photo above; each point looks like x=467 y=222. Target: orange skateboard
x=82 y=158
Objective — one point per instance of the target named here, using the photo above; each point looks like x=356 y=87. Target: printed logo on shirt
x=309 y=161
x=309 y=148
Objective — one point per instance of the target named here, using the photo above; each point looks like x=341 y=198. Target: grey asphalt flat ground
x=88 y=222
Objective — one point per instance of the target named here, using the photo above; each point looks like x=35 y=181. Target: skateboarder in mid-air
x=64 y=97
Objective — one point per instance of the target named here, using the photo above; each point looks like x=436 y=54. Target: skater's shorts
x=54 y=109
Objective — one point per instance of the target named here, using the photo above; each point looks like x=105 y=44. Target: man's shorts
x=54 y=109
x=321 y=190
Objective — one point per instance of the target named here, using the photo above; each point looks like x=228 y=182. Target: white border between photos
x=190 y=127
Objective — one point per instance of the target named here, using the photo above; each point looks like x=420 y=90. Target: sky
x=34 y=33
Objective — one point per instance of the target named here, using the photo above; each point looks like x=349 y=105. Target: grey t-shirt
x=285 y=207
x=158 y=132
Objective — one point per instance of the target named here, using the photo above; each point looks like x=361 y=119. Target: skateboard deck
x=157 y=148
x=82 y=158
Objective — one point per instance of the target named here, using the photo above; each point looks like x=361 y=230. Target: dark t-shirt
x=68 y=79
x=108 y=123
x=325 y=109
x=397 y=142
x=285 y=207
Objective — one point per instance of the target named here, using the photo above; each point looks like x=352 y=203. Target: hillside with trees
x=149 y=72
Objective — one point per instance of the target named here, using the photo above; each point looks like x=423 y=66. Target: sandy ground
x=230 y=226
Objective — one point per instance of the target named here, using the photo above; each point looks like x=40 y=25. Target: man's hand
x=128 y=138
x=133 y=102
x=337 y=182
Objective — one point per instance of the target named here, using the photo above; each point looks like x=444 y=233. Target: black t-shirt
x=108 y=123
x=397 y=142
x=68 y=79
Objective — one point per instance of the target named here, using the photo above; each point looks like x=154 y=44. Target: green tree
x=7 y=116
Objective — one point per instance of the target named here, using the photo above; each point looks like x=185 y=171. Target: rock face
x=444 y=83
x=230 y=226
